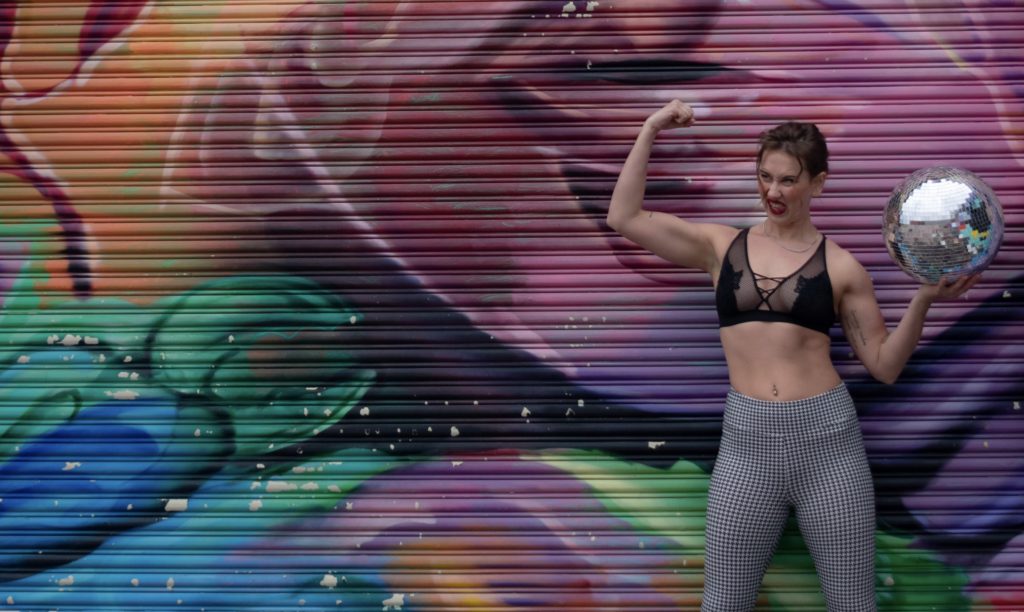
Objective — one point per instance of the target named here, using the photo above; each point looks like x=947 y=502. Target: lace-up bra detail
x=803 y=298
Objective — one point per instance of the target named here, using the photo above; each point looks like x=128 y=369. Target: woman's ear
x=818 y=183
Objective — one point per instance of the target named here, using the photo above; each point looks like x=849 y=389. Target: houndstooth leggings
x=806 y=454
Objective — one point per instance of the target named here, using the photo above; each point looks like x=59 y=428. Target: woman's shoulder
x=843 y=266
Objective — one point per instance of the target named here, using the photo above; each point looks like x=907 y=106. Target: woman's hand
x=673 y=115
x=947 y=289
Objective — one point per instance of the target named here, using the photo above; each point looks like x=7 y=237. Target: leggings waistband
x=817 y=413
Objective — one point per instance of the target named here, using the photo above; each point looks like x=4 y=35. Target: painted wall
x=312 y=305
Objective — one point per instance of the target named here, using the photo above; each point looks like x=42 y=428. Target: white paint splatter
x=334 y=488
x=568 y=8
x=10 y=600
x=231 y=338
x=455 y=431
x=653 y=445
x=71 y=340
x=24 y=359
x=123 y=395
x=329 y=581
x=92 y=340
x=353 y=319
x=135 y=582
x=1006 y=294
x=364 y=411
x=127 y=358
x=170 y=584
x=277 y=486
x=580 y=403
x=70 y=580
x=70 y=465
x=197 y=432
x=54 y=339
x=311 y=486
x=456 y=463
x=176 y=504
x=525 y=413
x=255 y=505
x=395 y=602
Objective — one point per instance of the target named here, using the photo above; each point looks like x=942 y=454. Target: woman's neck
x=801 y=232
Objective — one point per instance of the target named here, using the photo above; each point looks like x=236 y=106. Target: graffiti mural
x=312 y=304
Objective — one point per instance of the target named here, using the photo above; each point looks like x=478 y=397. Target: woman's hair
x=804 y=141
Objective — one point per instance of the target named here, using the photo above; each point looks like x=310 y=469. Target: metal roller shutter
x=313 y=306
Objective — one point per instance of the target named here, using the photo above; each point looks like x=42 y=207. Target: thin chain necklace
x=776 y=241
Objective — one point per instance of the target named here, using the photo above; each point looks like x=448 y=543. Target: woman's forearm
x=628 y=196
x=896 y=349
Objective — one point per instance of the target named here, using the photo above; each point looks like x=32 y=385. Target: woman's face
x=786 y=188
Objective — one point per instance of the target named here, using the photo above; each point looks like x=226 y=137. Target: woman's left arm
x=884 y=352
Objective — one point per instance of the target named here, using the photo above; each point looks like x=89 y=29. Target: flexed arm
x=681 y=242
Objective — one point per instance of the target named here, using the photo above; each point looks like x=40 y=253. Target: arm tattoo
x=853 y=329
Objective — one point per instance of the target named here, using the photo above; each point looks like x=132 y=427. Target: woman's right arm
x=681 y=242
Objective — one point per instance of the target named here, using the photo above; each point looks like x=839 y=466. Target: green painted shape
x=222 y=340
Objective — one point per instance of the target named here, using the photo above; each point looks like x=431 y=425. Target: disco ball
x=942 y=221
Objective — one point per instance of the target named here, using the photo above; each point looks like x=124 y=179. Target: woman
x=790 y=436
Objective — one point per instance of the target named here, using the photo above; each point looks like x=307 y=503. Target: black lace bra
x=803 y=298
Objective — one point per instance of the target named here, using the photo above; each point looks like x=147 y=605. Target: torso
x=778 y=360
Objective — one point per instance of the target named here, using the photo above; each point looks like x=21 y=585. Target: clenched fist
x=672 y=115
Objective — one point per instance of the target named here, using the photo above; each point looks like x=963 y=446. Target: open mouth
x=775 y=207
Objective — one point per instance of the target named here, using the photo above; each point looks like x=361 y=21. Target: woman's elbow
x=612 y=221
x=616 y=221
x=887 y=379
x=885 y=376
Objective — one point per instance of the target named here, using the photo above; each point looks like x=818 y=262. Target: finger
x=973 y=280
x=963 y=286
x=966 y=282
